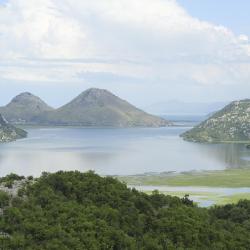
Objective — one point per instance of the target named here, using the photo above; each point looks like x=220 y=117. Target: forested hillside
x=73 y=210
x=231 y=124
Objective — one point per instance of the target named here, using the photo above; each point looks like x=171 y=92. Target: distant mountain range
x=93 y=108
x=184 y=108
x=10 y=133
x=230 y=124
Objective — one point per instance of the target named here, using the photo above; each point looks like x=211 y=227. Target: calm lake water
x=115 y=152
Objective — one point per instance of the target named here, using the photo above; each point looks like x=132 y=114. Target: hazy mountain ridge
x=10 y=133
x=93 y=107
x=184 y=108
x=232 y=123
x=24 y=109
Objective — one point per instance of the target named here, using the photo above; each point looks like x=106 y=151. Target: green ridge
x=231 y=124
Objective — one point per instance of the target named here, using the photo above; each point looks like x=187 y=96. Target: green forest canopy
x=73 y=210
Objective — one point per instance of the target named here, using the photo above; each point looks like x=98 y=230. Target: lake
x=115 y=152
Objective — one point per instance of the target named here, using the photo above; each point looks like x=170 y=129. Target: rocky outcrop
x=8 y=132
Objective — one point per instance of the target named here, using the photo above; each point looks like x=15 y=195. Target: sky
x=145 y=51
x=233 y=14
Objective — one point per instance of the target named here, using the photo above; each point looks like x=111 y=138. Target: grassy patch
x=234 y=178
x=233 y=198
x=225 y=178
x=218 y=199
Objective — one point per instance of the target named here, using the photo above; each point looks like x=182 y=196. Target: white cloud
x=38 y=29
x=60 y=40
x=243 y=38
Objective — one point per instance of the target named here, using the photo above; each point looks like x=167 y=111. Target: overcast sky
x=145 y=51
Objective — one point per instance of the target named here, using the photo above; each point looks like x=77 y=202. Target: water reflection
x=115 y=151
x=232 y=155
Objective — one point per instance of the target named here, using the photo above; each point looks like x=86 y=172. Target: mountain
x=24 y=109
x=100 y=108
x=10 y=133
x=230 y=124
x=184 y=108
x=94 y=108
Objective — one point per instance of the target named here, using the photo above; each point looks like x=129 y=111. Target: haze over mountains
x=94 y=107
x=184 y=108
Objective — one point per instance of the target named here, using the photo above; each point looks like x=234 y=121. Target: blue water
x=115 y=152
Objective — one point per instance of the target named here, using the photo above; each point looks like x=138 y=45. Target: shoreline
x=207 y=188
x=228 y=178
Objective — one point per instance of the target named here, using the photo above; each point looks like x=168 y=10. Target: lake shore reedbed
x=205 y=187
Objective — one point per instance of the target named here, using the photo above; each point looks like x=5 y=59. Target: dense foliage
x=9 y=180
x=73 y=210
